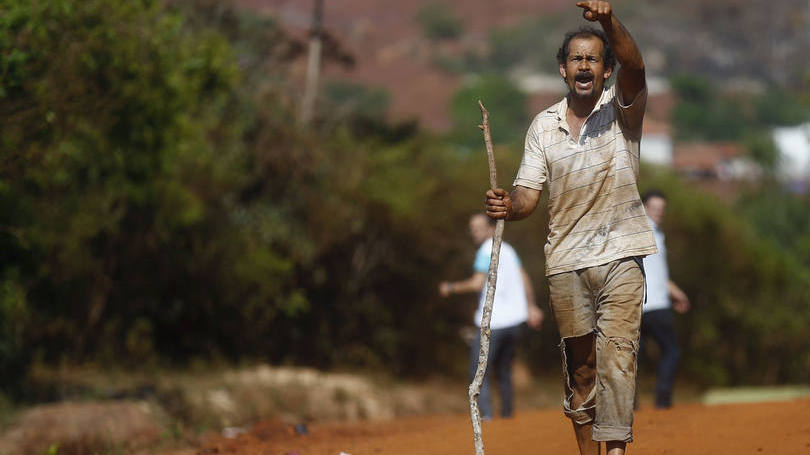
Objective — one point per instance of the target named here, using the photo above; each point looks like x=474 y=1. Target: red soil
x=760 y=428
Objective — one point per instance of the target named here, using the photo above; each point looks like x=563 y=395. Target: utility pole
x=313 y=63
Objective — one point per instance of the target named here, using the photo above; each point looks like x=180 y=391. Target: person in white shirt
x=663 y=296
x=513 y=306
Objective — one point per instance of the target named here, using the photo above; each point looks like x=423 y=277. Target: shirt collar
x=605 y=98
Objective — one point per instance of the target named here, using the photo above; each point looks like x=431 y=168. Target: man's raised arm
x=630 y=80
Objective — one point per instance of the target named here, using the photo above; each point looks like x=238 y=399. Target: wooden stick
x=492 y=278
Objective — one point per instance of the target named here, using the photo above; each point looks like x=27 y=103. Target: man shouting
x=585 y=150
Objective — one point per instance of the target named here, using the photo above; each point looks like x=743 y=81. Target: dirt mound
x=236 y=397
x=78 y=428
x=293 y=395
x=766 y=428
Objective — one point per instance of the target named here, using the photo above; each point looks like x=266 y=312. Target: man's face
x=480 y=229
x=656 y=208
x=584 y=69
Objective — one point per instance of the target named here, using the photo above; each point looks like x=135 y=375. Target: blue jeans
x=502 y=345
x=660 y=326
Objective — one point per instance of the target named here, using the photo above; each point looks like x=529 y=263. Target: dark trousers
x=659 y=325
x=502 y=346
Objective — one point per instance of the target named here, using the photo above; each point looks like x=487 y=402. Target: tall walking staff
x=492 y=278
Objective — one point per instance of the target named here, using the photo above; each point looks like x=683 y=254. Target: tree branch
x=492 y=278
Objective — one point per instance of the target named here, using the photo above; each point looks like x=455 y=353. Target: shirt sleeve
x=484 y=254
x=482 y=260
x=533 y=172
x=631 y=115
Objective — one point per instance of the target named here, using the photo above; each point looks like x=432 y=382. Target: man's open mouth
x=584 y=80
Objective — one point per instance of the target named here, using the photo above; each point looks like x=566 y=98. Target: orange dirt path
x=758 y=428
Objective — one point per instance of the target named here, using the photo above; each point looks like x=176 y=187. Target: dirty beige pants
x=605 y=300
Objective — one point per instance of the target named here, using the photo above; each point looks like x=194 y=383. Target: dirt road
x=760 y=428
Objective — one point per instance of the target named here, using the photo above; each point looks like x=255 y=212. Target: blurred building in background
x=793 y=165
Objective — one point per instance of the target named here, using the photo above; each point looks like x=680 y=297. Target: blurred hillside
x=730 y=42
x=391 y=50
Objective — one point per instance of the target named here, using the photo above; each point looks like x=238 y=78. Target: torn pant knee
x=585 y=412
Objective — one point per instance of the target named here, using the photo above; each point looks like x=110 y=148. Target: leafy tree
x=439 y=22
x=759 y=145
x=532 y=43
x=106 y=166
x=160 y=203
x=500 y=96
x=704 y=112
x=777 y=107
x=779 y=217
x=358 y=99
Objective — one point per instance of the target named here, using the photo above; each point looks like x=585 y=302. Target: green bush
x=439 y=22
x=705 y=112
x=161 y=204
x=507 y=103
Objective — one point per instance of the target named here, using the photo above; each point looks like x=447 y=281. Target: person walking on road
x=513 y=306
x=663 y=296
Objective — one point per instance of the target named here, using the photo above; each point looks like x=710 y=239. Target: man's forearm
x=523 y=203
x=472 y=284
x=624 y=47
x=519 y=209
x=527 y=286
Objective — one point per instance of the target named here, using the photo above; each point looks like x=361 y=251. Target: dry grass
x=82 y=428
x=167 y=409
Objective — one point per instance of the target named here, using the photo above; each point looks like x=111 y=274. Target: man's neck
x=581 y=107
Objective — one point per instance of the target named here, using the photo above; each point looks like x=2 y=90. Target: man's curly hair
x=585 y=32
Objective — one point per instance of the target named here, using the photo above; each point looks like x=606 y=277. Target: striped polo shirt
x=595 y=212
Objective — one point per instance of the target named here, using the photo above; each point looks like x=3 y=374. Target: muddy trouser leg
x=572 y=306
x=605 y=301
x=641 y=356
x=618 y=318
